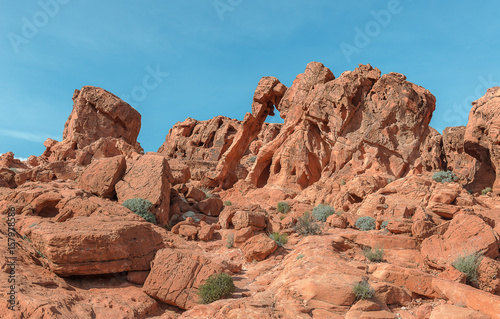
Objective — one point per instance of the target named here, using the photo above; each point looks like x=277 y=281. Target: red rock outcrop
x=100 y=125
x=458 y=161
x=482 y=136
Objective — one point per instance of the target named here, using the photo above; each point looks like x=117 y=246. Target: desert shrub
x=283 y=207
x=230 y=240
x=363 y=290
x=228 y=203
x=322 y=211
x=252 y=159
x=444 y=177
x=299 y=256
x=468 y=264
x=207 y=192
x=486 y=190
x=280 y=239
x=307 y=226
x=216 y=287
x=384 y=224
x=365 y=223
x=141 y=207
x=374 y=254
x=342 y=181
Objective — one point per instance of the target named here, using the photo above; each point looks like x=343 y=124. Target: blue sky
x=208 y=56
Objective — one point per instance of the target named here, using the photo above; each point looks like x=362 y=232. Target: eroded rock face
x=96 y=245
x=482 y=134
x=98 y=116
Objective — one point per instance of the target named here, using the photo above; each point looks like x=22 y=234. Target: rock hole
x=264 y=176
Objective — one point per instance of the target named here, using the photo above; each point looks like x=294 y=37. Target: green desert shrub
x=230 y=240
x=228 y=203
x=207 y=192
x=374 y=254
x=384 y=224
x=444 y=177
x=363 y=290
x=486 y=190
x=216 y=287
x=280 y=239
x=283 y=207
x=141 y=207
x=307 y=226
x=252 y=159
x=342 y=181
x=468 y=264
x=322 y=211
x=365 y=223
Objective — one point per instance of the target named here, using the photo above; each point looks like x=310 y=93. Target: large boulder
x=176 y=276
x=465 y=234
x=97 y=115
x=100 y=177
x=96 y=245
x=148 y=178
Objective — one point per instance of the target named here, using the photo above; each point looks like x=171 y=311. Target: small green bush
x=283 y=207
x=252 y=159
x=374 y=254
x=230 y=240
x=322 y=211
x=468 y=264
x=444 y=177
x=365 y=223
x=342 y=182
x=307 y=226
x=384 y=224
x=299 y=256
x=141 y=207
x=486 y=190
x=228 y=203
x=280 y=239
x=216 y=287
x=363 y=290
x=207 y=192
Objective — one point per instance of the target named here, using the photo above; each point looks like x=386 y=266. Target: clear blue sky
x=215 y=52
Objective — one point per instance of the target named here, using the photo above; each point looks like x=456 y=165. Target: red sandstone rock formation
x=481 y=136
x=100 y=125
x=360 y=142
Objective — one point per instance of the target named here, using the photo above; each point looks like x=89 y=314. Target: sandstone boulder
x=456 y=312
x=465 y=234
x=91 y=245
x=258 y=247
x=100 y=177
x=148 y=178
x=243 y=219
x=476 y=299
x=97 y=114
x=211 y=206
x=176 y=276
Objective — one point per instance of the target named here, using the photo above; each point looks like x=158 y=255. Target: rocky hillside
x=354 y=207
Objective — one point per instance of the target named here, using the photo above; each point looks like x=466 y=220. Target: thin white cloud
x=22 y=158
x=24 y=135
